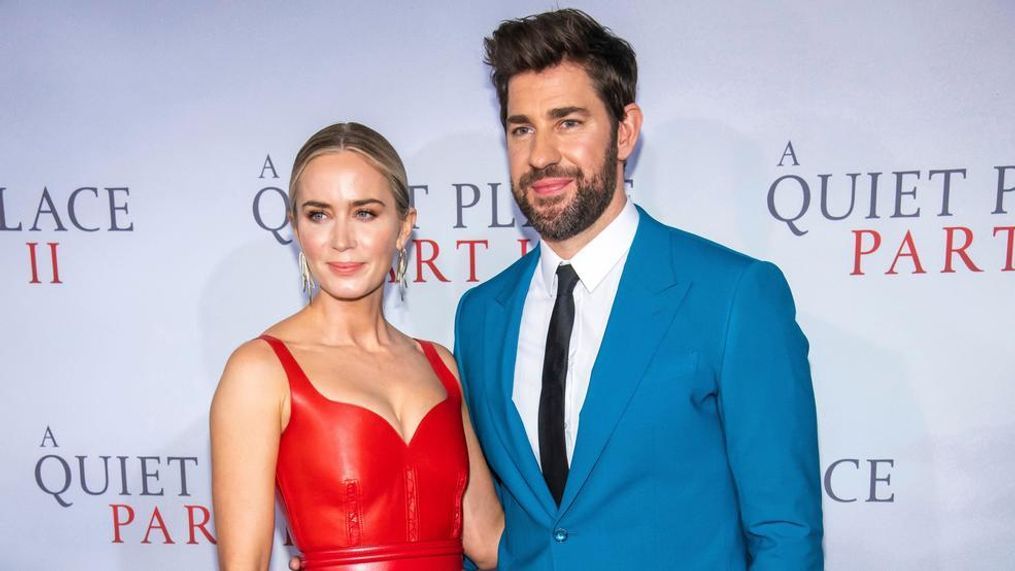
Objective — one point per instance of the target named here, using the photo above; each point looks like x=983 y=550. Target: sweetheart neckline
x=372 y=413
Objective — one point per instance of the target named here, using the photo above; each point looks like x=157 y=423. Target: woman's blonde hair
x=358 y=139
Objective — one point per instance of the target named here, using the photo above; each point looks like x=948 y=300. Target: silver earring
x=306 y=277
x=403 y=264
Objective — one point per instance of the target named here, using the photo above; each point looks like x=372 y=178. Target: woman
x=363 y=428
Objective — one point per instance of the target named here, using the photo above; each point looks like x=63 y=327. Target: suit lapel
x=501 y=343
x=647 y=300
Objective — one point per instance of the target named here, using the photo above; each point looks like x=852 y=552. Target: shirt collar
x=593 y=262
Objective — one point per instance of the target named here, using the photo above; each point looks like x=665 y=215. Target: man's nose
x=543 y=152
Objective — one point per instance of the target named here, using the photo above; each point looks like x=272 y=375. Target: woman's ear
x=296 y=231
x=408 y=222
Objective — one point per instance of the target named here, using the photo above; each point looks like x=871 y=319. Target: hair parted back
x=356 y=138
x=542 y=41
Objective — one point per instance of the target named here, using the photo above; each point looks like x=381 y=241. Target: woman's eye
x=315 y=215
x=365 y=214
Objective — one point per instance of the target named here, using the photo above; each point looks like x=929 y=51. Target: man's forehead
x=566 y=84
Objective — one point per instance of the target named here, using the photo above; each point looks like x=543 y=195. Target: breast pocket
x=672 y=364
x=675 y=383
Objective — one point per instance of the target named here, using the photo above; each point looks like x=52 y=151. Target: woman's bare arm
x=246 y=424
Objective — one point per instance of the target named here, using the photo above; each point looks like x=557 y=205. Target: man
x=642 y=394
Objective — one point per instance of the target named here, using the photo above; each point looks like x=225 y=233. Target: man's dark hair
x=542 y=41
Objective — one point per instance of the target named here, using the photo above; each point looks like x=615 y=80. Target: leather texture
x=360 y=498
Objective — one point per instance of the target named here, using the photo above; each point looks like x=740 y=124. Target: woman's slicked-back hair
x=542 y=41
x=356 y=138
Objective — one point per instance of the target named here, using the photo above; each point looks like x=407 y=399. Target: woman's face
x=347 y=224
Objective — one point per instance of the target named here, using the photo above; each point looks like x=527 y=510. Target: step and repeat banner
x=867 y=149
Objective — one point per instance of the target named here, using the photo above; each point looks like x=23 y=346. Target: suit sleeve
x=768 y=414
x=459 y=349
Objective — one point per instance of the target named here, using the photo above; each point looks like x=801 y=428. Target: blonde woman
x=362 y=429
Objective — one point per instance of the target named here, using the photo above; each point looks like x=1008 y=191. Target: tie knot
x=567 y=278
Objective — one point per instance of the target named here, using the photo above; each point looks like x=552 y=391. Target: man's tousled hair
x=542 y=41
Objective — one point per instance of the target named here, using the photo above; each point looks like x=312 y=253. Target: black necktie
x=552 y=450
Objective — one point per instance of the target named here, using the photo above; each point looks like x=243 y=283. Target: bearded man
x=642 y=394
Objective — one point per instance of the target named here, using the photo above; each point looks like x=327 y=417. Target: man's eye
x=570 y=123
x=520 y=131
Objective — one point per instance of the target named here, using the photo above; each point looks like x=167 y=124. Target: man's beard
x=557 y=223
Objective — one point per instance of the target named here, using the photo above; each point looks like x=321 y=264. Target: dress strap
x=298 y=380
x=440 y=369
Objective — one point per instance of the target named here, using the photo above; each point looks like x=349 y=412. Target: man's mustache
x=549 y=171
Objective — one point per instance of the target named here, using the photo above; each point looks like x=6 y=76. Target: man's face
x=562 y=150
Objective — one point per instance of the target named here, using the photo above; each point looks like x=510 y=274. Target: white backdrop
x=168 y=115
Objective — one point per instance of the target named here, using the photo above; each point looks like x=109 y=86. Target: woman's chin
x=351 y=291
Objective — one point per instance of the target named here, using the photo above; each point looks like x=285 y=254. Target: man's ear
x=628 y=130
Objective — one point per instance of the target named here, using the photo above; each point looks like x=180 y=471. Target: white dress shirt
x=599 y=266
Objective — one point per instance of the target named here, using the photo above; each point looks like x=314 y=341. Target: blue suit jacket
x=697 y=445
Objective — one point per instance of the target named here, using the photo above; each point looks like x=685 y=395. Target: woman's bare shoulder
x=253 y=370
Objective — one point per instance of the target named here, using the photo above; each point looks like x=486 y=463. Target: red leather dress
x=358 y=497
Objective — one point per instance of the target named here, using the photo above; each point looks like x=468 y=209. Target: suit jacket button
x=560 y=535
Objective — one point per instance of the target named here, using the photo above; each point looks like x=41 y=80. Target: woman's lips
x=345 y=268
x=547 y=186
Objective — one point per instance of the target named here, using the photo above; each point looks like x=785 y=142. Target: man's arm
x=468 y=565
x=767 y=408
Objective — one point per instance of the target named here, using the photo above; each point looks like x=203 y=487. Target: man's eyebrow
x=561 y=112
x=555 y=113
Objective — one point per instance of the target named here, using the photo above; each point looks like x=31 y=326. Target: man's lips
x=550 y=185
x=345 y=268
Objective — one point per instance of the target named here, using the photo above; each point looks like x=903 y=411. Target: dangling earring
x=305 y=275
x=403 y=264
